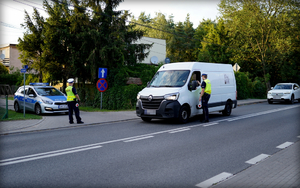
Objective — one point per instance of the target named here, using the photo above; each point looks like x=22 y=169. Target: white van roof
x=197 y=65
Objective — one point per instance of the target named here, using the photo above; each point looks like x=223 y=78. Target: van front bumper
x=167 y=109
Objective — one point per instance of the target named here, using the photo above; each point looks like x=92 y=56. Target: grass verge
x=12 y=115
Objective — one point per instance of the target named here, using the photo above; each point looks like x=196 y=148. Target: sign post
x=102 y=84
x=24 y=71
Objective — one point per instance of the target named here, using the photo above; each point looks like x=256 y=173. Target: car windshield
x=48 y=92
x=170 y=78
x=283 y=86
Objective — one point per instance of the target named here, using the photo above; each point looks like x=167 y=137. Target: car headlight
x=172 y=97
x=138 y=96
x=47 y=101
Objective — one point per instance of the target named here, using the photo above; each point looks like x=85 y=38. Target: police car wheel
x=17 y=107
x=38 y=109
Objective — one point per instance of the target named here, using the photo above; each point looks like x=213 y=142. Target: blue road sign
x=102 y=73
x=23 y=70
x=167 y=60
x=102 y=85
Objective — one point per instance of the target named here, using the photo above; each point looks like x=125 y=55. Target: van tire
x=146 y=119
x=227 y=110
x=183 y=115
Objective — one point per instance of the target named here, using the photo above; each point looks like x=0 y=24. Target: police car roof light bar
x=39 y=84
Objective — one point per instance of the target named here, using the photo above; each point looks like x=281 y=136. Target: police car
x=40 y=98
x=284 y=92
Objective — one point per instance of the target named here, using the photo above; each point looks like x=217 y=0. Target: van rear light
x=236 y=95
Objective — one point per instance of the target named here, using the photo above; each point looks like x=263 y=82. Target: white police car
x=40 y=98
x=284 y=92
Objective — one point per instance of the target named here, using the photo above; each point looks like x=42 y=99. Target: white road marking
x=214 y=180
x=257 y=159
x=285 y=145
x=129 y=139
x=140 y=138
x=261 y=113
x=43 y=155
x=180 y=130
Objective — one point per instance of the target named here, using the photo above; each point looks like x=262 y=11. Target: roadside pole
x=24 y=71
x=102 y=84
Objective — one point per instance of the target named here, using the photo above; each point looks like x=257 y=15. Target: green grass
x=12 y=115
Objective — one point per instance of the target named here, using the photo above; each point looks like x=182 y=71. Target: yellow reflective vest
x=208 y=86
x=70 y=95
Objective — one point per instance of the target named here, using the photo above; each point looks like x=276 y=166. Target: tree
x=256 y=29
x=32 y=43
x=214 y=43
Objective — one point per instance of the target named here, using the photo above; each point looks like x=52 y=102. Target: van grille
x=153 y=104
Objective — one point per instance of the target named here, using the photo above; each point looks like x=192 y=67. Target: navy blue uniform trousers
x=72 y=107
x=204 y=100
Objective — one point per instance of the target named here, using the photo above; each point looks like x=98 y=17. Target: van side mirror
x=31 y=95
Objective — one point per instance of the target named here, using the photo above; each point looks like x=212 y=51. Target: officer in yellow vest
x=71 y=100
x=204 y=96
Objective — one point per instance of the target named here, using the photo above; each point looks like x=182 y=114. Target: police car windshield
x=48 y=92
x=283 y=86
x=170 y=78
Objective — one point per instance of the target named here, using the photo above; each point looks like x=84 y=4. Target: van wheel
x=227 y=110
x=17 y=107
x=38 y=109
x=146 y=119
x=270 y=102
x=183 y=115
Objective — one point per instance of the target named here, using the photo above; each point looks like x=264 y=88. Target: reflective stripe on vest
x=70 y=94
x=208 y=86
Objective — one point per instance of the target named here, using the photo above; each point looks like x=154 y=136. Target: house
x=10 y=55
x=157 y=52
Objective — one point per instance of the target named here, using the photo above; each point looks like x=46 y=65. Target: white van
x=174 y=93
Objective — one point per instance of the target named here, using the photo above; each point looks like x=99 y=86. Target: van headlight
x=288 y=92
x=138 y=96
x=172 y=97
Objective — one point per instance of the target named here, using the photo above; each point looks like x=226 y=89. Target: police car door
x=30 y=103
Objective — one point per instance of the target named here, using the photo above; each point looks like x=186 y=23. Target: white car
x=284 y=92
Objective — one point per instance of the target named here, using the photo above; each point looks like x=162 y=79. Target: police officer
x=71 y=100
x=204 y=96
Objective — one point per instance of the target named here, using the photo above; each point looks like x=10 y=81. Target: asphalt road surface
x=160 y=153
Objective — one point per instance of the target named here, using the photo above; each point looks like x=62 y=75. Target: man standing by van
x=204 y=96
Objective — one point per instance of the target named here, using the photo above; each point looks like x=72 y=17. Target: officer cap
x=70 y=80
x=204 y=74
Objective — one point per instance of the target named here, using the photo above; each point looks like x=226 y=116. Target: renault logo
x=150 y=98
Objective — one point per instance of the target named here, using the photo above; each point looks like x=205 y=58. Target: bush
x=248 y=89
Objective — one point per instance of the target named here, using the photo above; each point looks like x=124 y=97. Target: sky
x=12 y=13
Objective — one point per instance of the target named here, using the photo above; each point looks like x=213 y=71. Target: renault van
x=173 y=92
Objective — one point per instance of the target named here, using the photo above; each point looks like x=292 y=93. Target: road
x=155 y=154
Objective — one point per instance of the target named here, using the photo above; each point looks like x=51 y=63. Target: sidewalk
x=278 y=170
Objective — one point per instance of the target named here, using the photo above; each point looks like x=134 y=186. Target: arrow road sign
x=102 y=85
x=102 y=73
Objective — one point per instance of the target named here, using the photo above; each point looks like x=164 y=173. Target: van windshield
x=170 y=78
